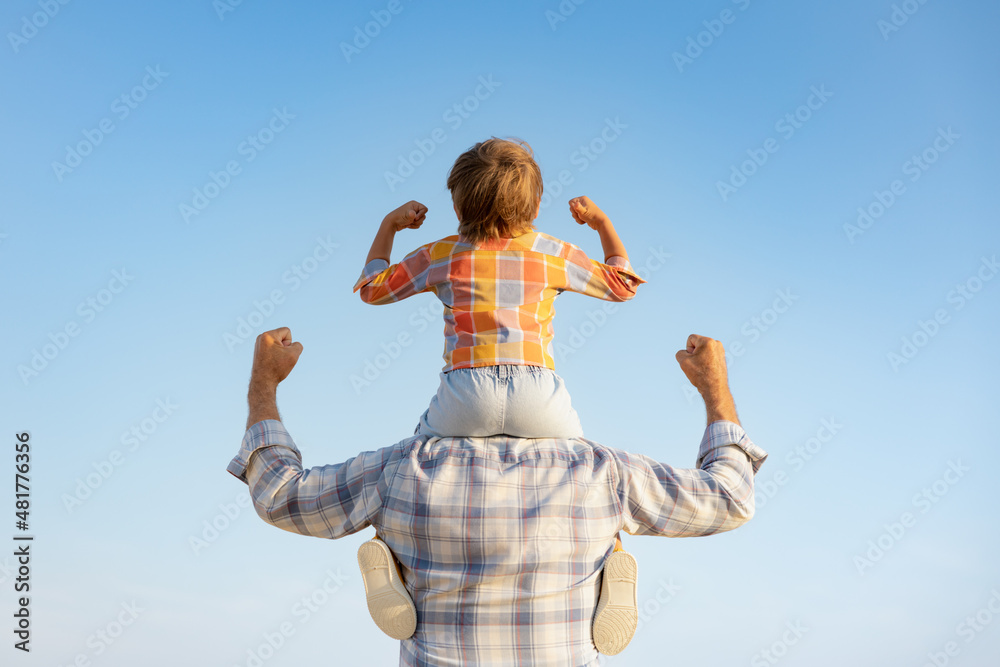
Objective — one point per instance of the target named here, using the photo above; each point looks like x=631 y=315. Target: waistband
x=502 y=370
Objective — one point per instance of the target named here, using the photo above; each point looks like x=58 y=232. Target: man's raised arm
x=715 y=496
x=325 y=501
x=704 y=364
x=274 y=357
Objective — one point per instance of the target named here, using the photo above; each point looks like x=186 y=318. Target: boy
x=498 y=279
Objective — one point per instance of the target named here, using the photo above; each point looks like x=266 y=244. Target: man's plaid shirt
x=499 y=295
x=501 y=540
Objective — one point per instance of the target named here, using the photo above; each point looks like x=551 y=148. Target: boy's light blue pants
x=522 y=401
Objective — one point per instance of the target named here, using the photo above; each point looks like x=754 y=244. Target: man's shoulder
x=506 y=450
x=385 y=456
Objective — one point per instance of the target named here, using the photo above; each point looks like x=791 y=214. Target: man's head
x=496 y=187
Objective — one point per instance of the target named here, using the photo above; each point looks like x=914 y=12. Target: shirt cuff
x=622 y=264
x=726 y=433
x=266 y=433
x=372 y=269
x=619 y=262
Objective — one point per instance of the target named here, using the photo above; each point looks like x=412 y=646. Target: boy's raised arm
x=410 y=215
x=586 y=212
x=612 y=280
x=382 y=282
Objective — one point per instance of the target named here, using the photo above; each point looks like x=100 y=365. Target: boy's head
x=496 y=187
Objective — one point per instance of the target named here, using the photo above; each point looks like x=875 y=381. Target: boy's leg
x=617 y=613
x=466 y=404
x=389 y=603
x=538 y=405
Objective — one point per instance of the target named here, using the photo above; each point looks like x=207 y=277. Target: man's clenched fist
x=274 y=356
x=704 y=363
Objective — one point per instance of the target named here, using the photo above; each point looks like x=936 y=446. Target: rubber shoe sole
x=618 y=609
x=388 y=602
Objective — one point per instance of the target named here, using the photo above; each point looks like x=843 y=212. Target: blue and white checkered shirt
x=501 y=540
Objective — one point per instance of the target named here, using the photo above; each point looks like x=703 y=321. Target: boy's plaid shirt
x=500 y=295
x=500 y=540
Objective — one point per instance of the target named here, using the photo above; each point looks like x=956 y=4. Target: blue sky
x=258 y=120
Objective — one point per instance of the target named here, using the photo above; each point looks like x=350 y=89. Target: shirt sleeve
x=326 y=501
x=381 y=283
x=715 y=496
x=611 y=281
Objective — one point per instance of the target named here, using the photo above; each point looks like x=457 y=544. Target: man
x=500 y=540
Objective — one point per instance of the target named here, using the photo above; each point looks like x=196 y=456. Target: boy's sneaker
x=618 y=609
x=388 y=602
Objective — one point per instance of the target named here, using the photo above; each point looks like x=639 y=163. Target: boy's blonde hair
x=496 y=186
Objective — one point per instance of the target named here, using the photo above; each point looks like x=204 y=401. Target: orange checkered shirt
x=499 y=295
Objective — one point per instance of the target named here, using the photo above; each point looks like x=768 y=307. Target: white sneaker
x=388 y=602
x=618 y=609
